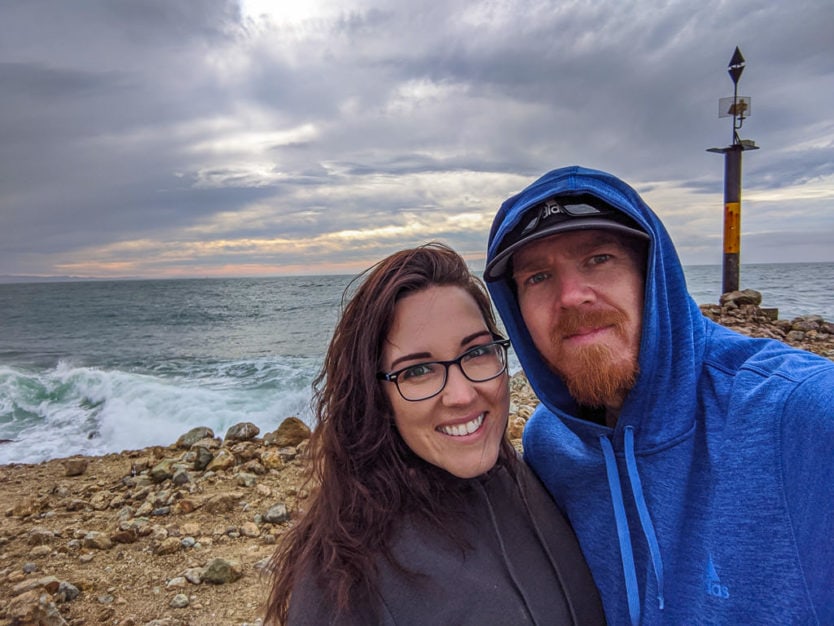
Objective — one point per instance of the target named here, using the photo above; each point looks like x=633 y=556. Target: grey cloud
x=123 y=121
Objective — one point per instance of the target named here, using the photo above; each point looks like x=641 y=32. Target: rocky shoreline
x=179 y=535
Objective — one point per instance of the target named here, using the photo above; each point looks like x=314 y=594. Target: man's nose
x=574 y=289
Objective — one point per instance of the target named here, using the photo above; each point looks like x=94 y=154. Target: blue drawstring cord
x=643 y=512
x=626 y=553
x=623 y=531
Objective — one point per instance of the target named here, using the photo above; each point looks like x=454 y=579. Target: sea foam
x=71 y=410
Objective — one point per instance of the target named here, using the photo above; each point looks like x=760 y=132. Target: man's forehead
x=569 y=242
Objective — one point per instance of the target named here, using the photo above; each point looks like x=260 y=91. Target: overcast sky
x=180 y=138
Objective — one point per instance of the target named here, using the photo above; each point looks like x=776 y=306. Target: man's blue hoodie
x=712 y=500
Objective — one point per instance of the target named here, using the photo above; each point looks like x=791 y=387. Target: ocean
x=104 y=366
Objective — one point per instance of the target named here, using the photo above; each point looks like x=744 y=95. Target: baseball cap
x=555 y=215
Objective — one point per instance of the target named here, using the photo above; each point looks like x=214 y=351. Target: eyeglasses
x=425 y=380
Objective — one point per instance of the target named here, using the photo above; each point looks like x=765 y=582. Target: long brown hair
x=368 y=477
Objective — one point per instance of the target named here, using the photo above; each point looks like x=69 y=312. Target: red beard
x=597 y=374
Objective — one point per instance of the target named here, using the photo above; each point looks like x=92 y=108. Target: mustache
x=573 y=320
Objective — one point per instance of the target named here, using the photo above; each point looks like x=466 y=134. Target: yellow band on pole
x=732 y=227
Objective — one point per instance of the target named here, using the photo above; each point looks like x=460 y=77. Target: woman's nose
x=459 y=389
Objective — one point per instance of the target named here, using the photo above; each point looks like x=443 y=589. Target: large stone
x=245 y=451
x=67 y=592
x=180 y=477
x=271 y=458
x=25 y=508
x=75 y=467
x=101 y=500
x=245 y=479
x=277 y=514
x=291 y=432
x=244 y=431
x=34 y=607
x=200 y=455
x=250 y=529
x=162 y=470
x=193 y=436
x=97 y=541
x=128 y=535
x=220 y=571
x=184 y=506
x=169 y=545
x=739 y=298
x=515 y=427
x=804 y=325
x=222 y=502
x=224 y=460
x=47 y=583
x=254 y=467
x=40 y=536
x=40 y=551
x=179 y=601
x=194 y=575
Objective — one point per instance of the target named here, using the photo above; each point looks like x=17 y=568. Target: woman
x=423 y=513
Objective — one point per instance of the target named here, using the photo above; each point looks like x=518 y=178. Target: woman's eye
x=479 y=351
x=474 y=353
x=416 y=371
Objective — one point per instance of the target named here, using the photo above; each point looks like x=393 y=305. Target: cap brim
x=497 y=268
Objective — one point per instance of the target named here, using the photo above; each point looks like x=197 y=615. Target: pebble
x=179 y=601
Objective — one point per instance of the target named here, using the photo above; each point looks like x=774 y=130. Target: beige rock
x=245 y=479
x=128 y=535
x=193 y=436
x=75 y=467
x=40 y=536
x=244 y=431
x=40 y=551
x=185 y=506
x=209 y=443
x=162 y=470
x=271 y=458
x=34 y=608
x=25 y=508
x=515 y=427
x=97 y=541
x=250 y=529
x=222 y=461
x=254 y=466
x=169 y=545
x=223 y=502
x=244 y=451
x=291 y=432
x=101 y=500
x=47 y=583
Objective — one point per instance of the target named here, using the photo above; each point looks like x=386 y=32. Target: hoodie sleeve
x=807 y=433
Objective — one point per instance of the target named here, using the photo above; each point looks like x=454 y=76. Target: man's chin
x=593 y=377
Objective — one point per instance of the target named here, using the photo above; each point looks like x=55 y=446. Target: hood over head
x=672 y=339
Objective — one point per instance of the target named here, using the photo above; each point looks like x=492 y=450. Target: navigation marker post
x=739 y=108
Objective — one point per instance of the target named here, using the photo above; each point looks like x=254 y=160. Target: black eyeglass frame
x=391 y=377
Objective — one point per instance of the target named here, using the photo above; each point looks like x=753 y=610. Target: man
x=695 y=464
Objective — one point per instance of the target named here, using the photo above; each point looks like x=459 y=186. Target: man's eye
x=417 y=371
x=599 y=259
x=537 y=278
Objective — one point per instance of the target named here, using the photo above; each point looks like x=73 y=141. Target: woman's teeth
x=459 y=430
